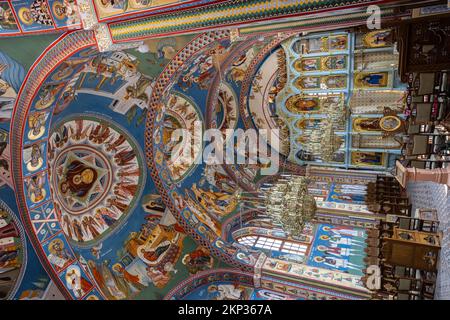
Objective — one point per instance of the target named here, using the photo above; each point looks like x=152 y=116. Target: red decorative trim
x=18 y=124
x=242 y=23
x=153 y=9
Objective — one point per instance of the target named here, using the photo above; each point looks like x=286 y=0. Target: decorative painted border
x=161 y=86
x=64 y=47
x=231 y=13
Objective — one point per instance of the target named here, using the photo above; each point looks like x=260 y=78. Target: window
x=274 y=245
x=248 y=240
x=295 y=248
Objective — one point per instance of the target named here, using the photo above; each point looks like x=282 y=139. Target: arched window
x=280 y=245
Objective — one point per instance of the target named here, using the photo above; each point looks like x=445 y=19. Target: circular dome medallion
x=82 y=179
x=96 y=174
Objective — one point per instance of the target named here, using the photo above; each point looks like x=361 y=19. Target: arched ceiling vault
x=208 y=59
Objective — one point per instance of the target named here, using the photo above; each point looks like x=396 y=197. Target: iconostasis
x=351 y=81
x=104 y=201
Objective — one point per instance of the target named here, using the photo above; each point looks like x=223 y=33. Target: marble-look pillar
x=405 y=175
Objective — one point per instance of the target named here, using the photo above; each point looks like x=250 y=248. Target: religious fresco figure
x=337 y=62
x=35 y=159
x=371 y=79
x=78 y=179
x=105 y=217
x=377 y=39
x=307 y=83
x=307 y=64
x=36 y=190
x=337 y=43
x=36 y=123
x=76 y=282
x=58 y=255
x=7 y=20
x=124 y=157
x=367 y=158
x=366 y=124
x=198 y=260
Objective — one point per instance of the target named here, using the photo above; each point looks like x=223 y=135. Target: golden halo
x=58 y=5
x=30 y=168
x=31 y=136
x=397 y=125
x=35 y=199
x=51 y=244
x=25 y=16
x=40 y=105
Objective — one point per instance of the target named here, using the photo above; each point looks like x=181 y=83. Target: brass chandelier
x=286 y=202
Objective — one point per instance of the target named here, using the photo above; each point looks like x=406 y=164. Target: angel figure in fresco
x=90 y=226
x=114 y=202
x=130 y=171
x=36 y=191
x=80 y=131
x=112 y=146
x=68 y=225
x=100 y=133
x=125 y=190
x=96 y=250
x=124 y=157
x=77 y=229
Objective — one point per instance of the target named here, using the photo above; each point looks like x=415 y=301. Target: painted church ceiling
x=100 y=200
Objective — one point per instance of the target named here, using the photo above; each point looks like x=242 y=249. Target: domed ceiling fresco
x=108 y=199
